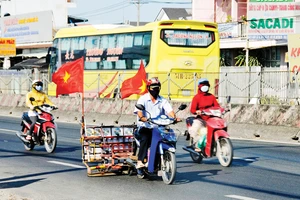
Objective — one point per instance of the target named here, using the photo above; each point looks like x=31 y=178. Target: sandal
x=140 y=165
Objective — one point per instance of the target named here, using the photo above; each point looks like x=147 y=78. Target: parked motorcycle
x=218 y=142
x=161 y=157
x=44 y=132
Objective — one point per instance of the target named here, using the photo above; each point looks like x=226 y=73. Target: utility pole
x=138 y=13
x=138 y=5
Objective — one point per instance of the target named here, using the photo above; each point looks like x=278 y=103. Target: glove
x=54 y=107
x=31 y=107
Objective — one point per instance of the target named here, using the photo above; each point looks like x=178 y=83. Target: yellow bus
x=178 y=52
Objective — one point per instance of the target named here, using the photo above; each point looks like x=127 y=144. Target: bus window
x=65 y=44
x=120 y=40
x=54 y=57
x=187 y=38
x=77 y=43
x=93 y=52
x=128 y=40
x=138 y=40
x=111 y=41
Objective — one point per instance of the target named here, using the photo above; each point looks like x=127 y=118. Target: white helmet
x=37 y=85
x=36 y=82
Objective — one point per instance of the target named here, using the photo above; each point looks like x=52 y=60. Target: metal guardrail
x=257 y=85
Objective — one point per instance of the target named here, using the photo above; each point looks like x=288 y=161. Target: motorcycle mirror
x=182 y=107
x=32 y=99
x=228 y=99
x=140 y=106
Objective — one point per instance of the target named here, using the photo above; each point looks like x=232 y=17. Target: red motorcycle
x=217 y=139
x=44 y=132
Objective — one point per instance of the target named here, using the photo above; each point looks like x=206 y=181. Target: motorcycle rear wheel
x=224 y=151
x=195 y=157
x=29 y=146
x=169 y=173
x=50 y=140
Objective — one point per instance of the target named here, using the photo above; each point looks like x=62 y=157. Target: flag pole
x=82 y=106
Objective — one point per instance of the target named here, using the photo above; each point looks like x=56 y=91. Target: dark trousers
x=145 y=142
x=33 y=121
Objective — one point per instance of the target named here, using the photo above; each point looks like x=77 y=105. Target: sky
x=116 y=11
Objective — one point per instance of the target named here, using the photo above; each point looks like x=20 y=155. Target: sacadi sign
x=272 y=19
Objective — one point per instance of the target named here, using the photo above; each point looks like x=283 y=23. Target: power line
x=124 y=2
x=101 y=13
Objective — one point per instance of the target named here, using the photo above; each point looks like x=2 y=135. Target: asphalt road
x=260 y=170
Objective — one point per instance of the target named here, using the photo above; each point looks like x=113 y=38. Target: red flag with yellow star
x=136 y=84
x=69 y=77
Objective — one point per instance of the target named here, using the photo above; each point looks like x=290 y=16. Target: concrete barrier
x=261 y=122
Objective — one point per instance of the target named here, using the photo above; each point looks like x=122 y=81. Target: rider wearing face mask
x=40 y=99
x=202 y=100
x=155 y=105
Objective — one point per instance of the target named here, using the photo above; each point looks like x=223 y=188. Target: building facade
x=33 y=24
x=260 y=27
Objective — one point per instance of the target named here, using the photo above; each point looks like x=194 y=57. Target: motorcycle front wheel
x=169 y=171
x=50 y=140
x=224 y=151
x=195 y=157
x=29 y=146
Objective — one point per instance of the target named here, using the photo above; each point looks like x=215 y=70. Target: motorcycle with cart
x=161 y=158
x=217 y=142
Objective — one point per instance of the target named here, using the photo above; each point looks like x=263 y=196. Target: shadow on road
x=18 y=184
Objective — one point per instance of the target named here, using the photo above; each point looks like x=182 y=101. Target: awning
x=30 y=55
x=242 y=43
x=31 y=63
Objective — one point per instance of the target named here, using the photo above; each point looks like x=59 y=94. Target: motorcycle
x=161 y=160
x=44 y=132
x=218 y=142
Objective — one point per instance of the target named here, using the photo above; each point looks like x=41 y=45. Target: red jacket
x=202 y=101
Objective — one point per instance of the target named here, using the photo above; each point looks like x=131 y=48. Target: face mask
x=204 y=88
x=154 y=93
x=39 y=88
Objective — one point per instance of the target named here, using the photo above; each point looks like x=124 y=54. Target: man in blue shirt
x=155 y=105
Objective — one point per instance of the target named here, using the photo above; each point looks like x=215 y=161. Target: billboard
x=228 y=30
x=7 y=47
x=294 y=52
x=28 y=28
x=272 y=19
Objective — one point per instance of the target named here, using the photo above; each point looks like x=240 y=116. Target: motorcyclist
x=40 y=99
x=155 y=105
x=202 y=100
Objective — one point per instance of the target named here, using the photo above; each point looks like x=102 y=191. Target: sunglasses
x=39 y=84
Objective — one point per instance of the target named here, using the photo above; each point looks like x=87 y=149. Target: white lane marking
x=240 y=197
x=7 y=130
x=245 y=159
x=66 y=164
x=267 y=141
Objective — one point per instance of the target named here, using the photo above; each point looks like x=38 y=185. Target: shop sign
x=28 y=28
x=272 y=19
x=7 y=47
